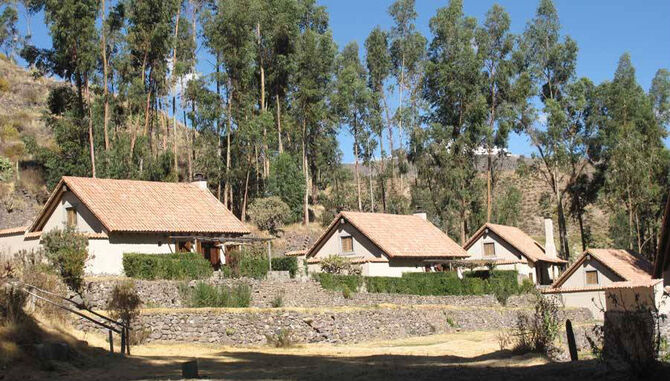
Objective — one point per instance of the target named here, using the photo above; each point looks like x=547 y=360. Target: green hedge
x=206 y=295
x=182 y=266
x=502 y=284
x=289 y=264
x=339 y=282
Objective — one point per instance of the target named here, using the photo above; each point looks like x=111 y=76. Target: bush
x=248 y=262
x=269 y=213
x=206 y=295
x=338 y=282
x=124 y=302
x=182 y=266
x=537 y=332
x=337 y=264
x=287 y=182
x=66 y=251
x=281 y=339
x=4 y=85
x=289 y=264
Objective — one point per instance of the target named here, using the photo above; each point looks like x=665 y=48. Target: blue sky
x=603 y=29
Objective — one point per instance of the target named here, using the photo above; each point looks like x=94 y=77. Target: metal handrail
x=121 y=328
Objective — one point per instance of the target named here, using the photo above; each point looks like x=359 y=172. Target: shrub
x=4 y=85
x=6 y=169
x=124 y=302
x=287 y=182
x=12 y=301
x=338 y=282
x=289 y=264
x=346 y=292
x=283 y=338
x=206 y=295
x=181 y=266
x=66 y=251
x=278 y=301
x=538 y=331
x=248 y=262
x=269 y=213
x=337 y=264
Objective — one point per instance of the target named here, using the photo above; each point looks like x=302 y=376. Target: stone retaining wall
x=251 y=326
x=293 y=292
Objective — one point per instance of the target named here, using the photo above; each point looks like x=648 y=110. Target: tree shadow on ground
x=251 y=365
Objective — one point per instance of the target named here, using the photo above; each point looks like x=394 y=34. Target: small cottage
x=509 y=248
x=384 y=244
x=600 y=275
x=129 y=216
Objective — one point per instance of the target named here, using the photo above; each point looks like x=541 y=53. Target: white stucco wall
x=578 y=277
x=15 y=243
x=106 y=255
x=595 y=301
x=363 y=247
x=86 y=221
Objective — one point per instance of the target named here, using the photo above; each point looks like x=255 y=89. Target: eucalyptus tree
x=559 y=137
x=312 y=81
x=660 y=96
x=408 y=49
x=444 y=152
x=229 y=31
x=631 y=157
x=352 y=102
x=9 y=32
x=73 y=55
x=503 y=88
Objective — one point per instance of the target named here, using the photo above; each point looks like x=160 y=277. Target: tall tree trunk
x=582 y=234
x=90 y=127
x=174 y=93
x=372 y=193
x=266 y=153
x=305 y=206
x=246 y=193
x=103 y=46
x=219 y=149
x=489 y=185
x=562 y=227
x=278 y=105
x=191 y=144
x=356 y=172
x=227 y=189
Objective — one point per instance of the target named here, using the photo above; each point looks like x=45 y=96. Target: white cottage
x=599 y=275
x=509 y=248
x=384 y=244
x=129 y=216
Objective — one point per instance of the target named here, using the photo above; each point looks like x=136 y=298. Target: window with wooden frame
x=347 y=244
x=71 y=217
x=489 y=249
x=591 y=277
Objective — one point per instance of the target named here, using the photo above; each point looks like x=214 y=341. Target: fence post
x=127 y=340
x=111 y=342
x=572 y=346
x=123 y=341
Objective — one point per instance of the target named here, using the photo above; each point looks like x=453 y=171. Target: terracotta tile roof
x=13 y=231
x=295 y=253
x=516 y=237
x=146 y=206
x=626 y=264
x=399 y=235
x=354 y=260
x=611 y=286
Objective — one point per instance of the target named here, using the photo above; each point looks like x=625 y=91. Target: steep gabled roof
x=146 y=206
x=13 y=231
x=624 y=263
x=405 y=236
x=517 y=238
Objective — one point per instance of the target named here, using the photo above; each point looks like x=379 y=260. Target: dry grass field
x=457 y=356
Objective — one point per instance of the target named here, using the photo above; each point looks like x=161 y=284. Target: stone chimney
x=549 y=244
x=200 y=181
x=421 y=214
